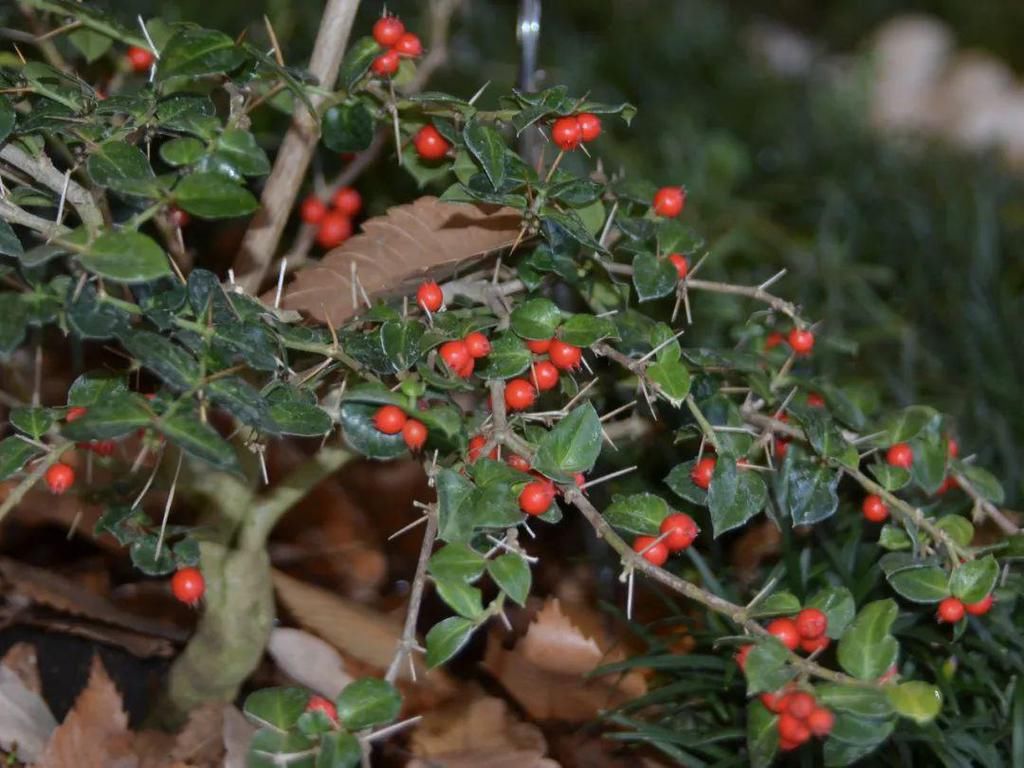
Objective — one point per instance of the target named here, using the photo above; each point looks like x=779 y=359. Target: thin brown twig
x=408 y=641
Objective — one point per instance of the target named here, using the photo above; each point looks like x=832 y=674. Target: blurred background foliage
x=912 y=254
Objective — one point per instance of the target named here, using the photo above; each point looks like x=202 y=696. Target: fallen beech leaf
x=308 y=660
x=25 y=720
x=95 y=733
x=396 y=251
x=201 y=741
x=545 y=670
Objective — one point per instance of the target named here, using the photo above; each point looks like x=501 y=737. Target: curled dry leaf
x=308 y=660
x=396 y=251
x=22 y=660
x=25 y=721
x=545 y=670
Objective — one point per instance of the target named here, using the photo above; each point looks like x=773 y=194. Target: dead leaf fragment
x=394 y=252
x=21 y=659
x=308 y=660
x=25 y=721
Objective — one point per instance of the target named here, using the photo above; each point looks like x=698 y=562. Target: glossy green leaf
x=123 y=168
x=958 y=528
x=358 y=58
x=488 y=147
x=734 y=496
x=866 y=649
x=916 y=700
x=672 y=380
x=921 y=585
x=10 y=245
x=766 y=668
x=889 y=477
x=446 y=638
x=339 y=749
x=183 y=151
x=300 y=419
x=585 y=330
x=572 y=446
x=149 y=559
x=776 y=604
x=34 y=422
x=681 y=483
x=452 y=491
x=196 y=52
x=362 y=434
x=462 y=598
x=277 y=708
x=984 y=482
x=653 y=278
x=908 y=423
x=762 y=735
x=8 y=117
x=213 y=196
x=167 y=360
x=512 y=575
x=509 y=357
x=239 y=148
x=838 y=606
x=95 y=387
x=118 y=414
x=198 y=439
x=368 y=702
x=125 y=257
x=862 y=702
x=975 y=579
x=536 y=319
x=455 y=562
x=348 y=127
x=640 y=513
x=242 y=400
x=14 y=454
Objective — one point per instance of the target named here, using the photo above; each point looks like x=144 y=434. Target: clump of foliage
x=504 y=331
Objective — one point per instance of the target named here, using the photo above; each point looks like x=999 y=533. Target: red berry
x=681 y=530
x=386 y=64
x=320 y=704
x=565 y=356
x=820 y=722
x=430 y=144
x=179 y=218
x=702 y=472
x=539 y=346
x=669 y=201
x=950 y=611
x=409 y=45
x=952 y=448
x=900 y=455
x=680 y=263
x=566 y=133
x=981 y=607
x=467 y=369
x=590 y=126
x=785 y=745
x=477 y=344
x=799 y=704
x=772 y=340
x=814 y=400
x=535 y=499
x=781 y=446
x=103 y=447
x=656 y=554
x=793 y=730
x=188 y=585
x=415 y=434
x=60 y=477
x=476 y=446
x=874 y=509
x=785 y=631
x=335 y=229
x=772 y=701
x=949 y=484
x=348 y=201
x=741 y=655
x=802 y=341
x=819 y=643
x=430 y=297
x=516 y=461
x=389 y=419
x=811 y=623
x=455 y=354
x=545 y=375
x=312 y=210
x=387 y=30
x=140 y=59
x=75 y=412
x=519 y=394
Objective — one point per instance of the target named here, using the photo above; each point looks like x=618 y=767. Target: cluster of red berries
x=669 y=201
x=461 y=355
x=951 y=610
x=800 y=717
x=520 y=394
x=800 y=340
x=140 y=59
x=390 y=419
x=389 y=32
x=188 y=585
x=569 y=132
x=334 y=224
x=806 y=631
x=677 y=532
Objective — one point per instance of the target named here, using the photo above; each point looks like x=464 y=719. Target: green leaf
x=195 y=52
x=348 y=127
x=14 y=454
x=446 y=638
x=573 y=226
x=123 y=168
x=512 y=575
x=889 y=477
x=676 y=237
x=143 y=551
x=509 y=357
x=300 y=419
x=462 y=598
x=92 y=45
x=975 y=579
x=866 y=649
x=363 y=436
x=125 y=257
x=170 y=362
x=123 y=523
x=734 y=496
x=762 y=735
x=640 y=513
x=575 y=191
x=239 y=148
x=213 y=196
x=358 y=58
x=894 y=538
x=838 y=606
x=241 y=400
x=672 y=380
x=277 y=708
x=183 y=151
x=455 y=562
x=863 y=702
x=116 y=415
x=8 y=117
x=839 y=754
x=339 y=749
x=826 y=439
x=921 y=585
x=984 y=482
x=32 y=421
x=653 y=278
x=929 y=467
x=452 y=491
x=10 y=245
x=681 y=483
x=572 y=446
x=766 y=668
x=776 y=604
x=810 y=492
x=197 y=439
x=585 y=330
x=908 y=423
x=916 y=700
x=368 y=702
x=488 y=147
x=958 y=528
x=536 y=319
x=495 y=506
x=401 y=343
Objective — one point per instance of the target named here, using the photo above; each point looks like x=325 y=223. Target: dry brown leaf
x=21 y=659
x=395 y=251
x=545 y=670
x=25 y=721
x=95 y=733
x=237 y=734
x=308 y=660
